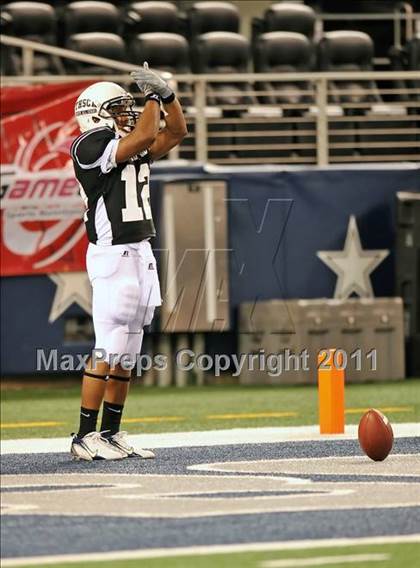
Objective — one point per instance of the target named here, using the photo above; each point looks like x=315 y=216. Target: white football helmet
x=101 y=103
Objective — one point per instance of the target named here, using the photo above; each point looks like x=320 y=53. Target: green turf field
x=366 y=556
x=50 y=411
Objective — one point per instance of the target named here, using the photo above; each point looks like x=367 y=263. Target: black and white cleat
x=120 y=441
x=94 y=446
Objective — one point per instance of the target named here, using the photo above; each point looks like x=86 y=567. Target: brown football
x=375 y=435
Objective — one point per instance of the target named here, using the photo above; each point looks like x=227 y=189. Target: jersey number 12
x=132 y=210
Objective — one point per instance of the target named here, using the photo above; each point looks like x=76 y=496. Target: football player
x=111 y=161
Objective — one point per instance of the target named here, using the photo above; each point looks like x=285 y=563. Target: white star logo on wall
x=353 y=265
x=71 y=287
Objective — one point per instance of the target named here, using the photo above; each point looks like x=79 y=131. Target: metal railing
x=333 y=119
x=288 y=118
x=30 y=47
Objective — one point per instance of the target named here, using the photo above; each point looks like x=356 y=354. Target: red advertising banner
x=42 y=226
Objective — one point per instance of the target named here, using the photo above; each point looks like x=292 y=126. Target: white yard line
x=207 y=438
x=324 y=560
x=205 y=550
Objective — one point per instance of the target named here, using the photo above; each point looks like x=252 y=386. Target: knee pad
x=111 y=338
x=125 y=301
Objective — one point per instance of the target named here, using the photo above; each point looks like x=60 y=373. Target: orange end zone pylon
x=331 y=391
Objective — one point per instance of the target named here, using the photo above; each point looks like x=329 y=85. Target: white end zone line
x=207 y=438
x=220 y=467
x=324 y=560
x=205 y=550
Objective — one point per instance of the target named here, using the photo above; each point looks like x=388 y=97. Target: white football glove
x=150 y=82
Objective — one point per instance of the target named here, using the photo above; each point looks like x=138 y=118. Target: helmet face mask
x=106 y=104
x=120 y=109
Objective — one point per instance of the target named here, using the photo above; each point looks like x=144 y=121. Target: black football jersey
x=116 y=196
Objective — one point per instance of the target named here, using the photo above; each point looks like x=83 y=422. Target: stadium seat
x=223 y=53
x=285 y=17
x=348 y=51
x=283 y=52
x=353 y=51
x=207 y=17
x=101 y=44
x=35 y=21
x=91 y=16
x=152 y=16
x=290 y=17
x=165 y=52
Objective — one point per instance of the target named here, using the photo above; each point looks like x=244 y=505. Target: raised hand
x=150 y=82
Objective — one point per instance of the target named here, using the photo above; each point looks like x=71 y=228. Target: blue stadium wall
x=279 y=218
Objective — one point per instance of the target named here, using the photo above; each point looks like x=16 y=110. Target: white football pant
x=126 y=291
